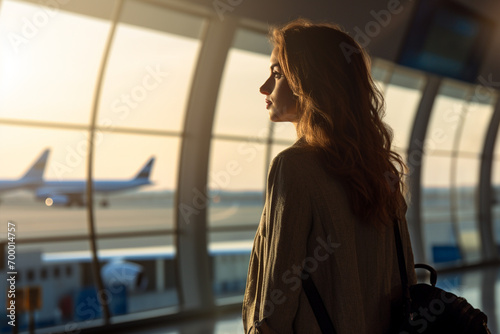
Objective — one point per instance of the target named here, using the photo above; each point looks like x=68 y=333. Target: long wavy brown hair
x=340 y=113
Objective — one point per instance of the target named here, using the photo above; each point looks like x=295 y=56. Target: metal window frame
x=485 y=212
x=414 y=162
x=193 y=269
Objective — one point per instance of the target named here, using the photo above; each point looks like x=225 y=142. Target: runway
x=124 y=215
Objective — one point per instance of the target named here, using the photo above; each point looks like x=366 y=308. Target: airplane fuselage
x=9 y=185
x=68 y=192
x=80 y=187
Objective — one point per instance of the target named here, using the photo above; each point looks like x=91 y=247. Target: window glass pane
x=244 y=162
x=237 y=176
x=230 y=255
x=139 y=271
x=440 y=242
x=477 y=119
x=135 y=190
x=148 y=86
x=122 y=155
x=236 y=209
x=27 y=204
x=402 y=97
x=445 y=117
x=149 y=212
x=63 y=282
x=436 y=171
x=21 y=149
x=50 y=61
x=236 y=182
x=465 y=203
x=380 y=71
x=144 y=213
x=467 y=172
x=284 y=131
x=241 y=109
x=451 y=113
x=469 y=285
x=158 y=18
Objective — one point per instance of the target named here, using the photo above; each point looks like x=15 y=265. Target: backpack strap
x=402 y=270
x=319 y=309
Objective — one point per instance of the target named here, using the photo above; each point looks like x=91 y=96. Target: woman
x=332 y=197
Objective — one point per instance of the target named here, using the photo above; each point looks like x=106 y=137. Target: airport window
x=36 y=44
x=150 y=69
x=464 y=201
x=447 y=115
x=146 y=167
x=381 y=72
x=240 y=107
x=477 y=119
x=477 y=116
x=46 y=99
x=144 y=100
x=439 y=221
x=284 y=132
x=51 y=154
x=402 y=90
x=402 y=96
x=144 y=216
x=238 y=159
x=236 y=182
x=439 y=236
x=451 y=173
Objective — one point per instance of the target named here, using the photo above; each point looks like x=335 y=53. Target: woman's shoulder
x=297 y=158
x=297 y=152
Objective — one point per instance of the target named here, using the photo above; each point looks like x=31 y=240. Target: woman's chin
x=273 y=117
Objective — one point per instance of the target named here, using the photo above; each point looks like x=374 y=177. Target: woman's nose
x=266 y=88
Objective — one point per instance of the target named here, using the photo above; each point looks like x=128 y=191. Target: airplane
x=32 y=179
x=65 y=193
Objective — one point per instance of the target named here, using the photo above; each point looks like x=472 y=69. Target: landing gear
x=104 y=203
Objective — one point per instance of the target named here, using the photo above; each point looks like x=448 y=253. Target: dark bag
x=426 y=309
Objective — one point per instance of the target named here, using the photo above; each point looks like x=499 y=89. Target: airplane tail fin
x=37 y=169
x=145 y=171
